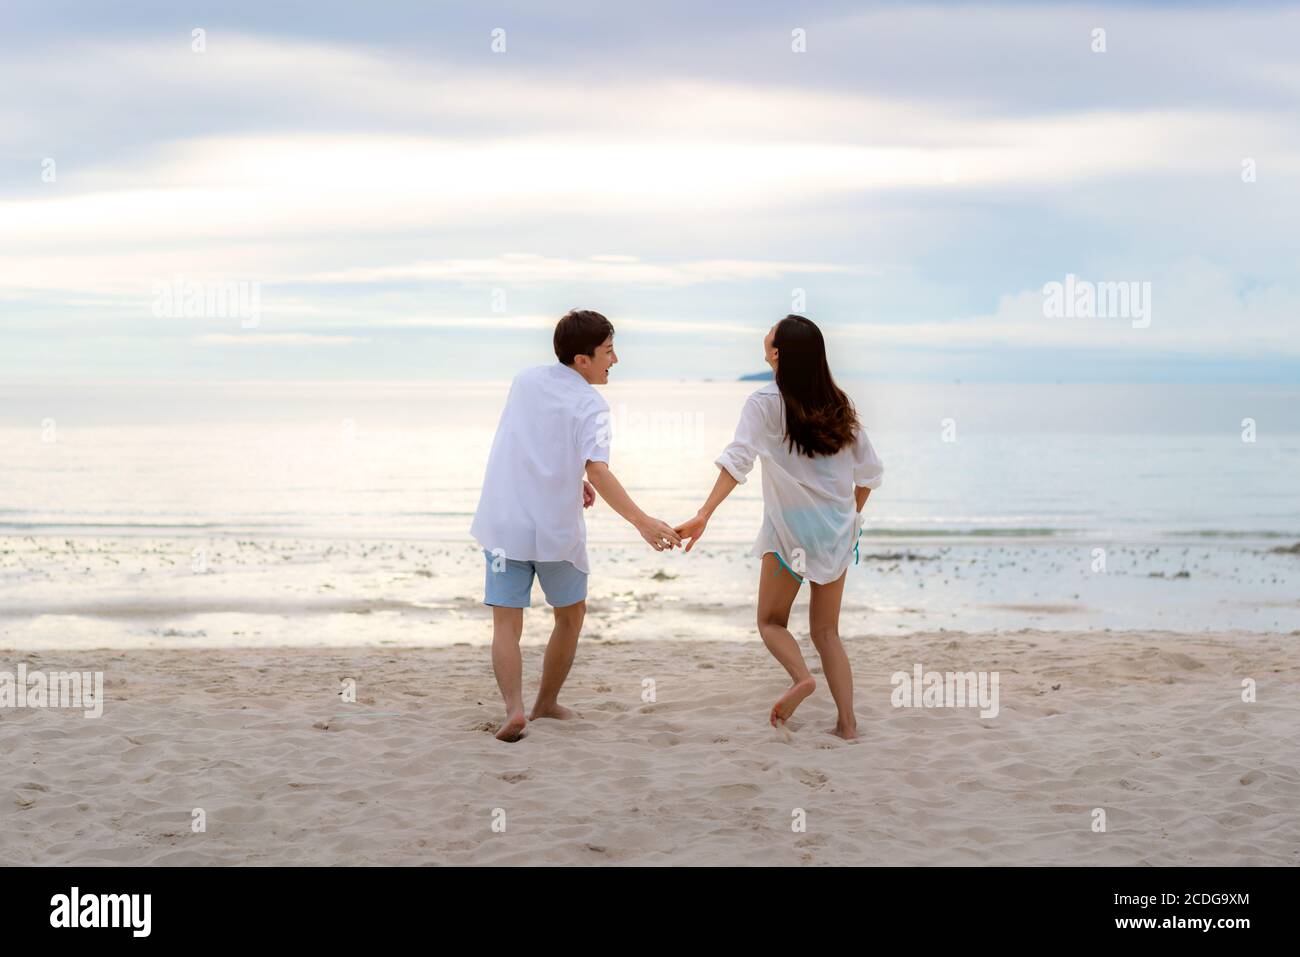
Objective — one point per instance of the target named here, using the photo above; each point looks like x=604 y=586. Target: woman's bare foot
x=513 y=729
x=786 y=704
x=847 y=731
x=557 y=711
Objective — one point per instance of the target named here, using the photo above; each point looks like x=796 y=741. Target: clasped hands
x=658 y=534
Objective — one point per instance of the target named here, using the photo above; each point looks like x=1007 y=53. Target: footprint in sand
x=734 y=791
x=811 y=778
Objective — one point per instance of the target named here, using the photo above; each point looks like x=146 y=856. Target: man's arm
x=659 y=535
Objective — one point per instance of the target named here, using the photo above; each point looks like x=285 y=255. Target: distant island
x=766 y=376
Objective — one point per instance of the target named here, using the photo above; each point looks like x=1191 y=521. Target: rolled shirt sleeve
x=868 y=470
x=738 y=457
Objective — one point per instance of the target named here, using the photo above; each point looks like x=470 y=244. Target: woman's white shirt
x=810 y=517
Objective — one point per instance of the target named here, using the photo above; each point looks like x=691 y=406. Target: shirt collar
x=572 y=371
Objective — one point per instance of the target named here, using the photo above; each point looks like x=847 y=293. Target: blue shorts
x=511 y=584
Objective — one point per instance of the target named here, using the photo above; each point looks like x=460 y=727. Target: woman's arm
x=695 y=527
x=860 y=493
x=734 y=465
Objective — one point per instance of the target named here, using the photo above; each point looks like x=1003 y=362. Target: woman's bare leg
x=777 y=589
x=824 y=623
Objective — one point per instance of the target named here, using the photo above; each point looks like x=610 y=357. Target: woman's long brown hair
x=819 y=417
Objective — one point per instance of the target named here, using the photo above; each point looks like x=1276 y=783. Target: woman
x=818 y=469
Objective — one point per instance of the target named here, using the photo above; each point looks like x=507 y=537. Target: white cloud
x=335 y=165
x=1196 y=308
x=533 y=268
x=257 y=187
x=648 y=325
x=130 y=277
x=259 y=339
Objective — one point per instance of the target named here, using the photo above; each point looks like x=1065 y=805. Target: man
x=555 y=427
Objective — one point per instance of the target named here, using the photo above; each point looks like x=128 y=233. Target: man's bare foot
x=557 y=711
x=513 y=729
x=786 y=704
x=849 y=732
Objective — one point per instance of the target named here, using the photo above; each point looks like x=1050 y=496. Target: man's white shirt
x=530 y=509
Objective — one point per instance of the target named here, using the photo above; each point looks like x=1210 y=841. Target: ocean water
x=1132 y=463
x=999 y=501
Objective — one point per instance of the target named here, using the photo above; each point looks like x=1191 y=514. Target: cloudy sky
x=409 y=202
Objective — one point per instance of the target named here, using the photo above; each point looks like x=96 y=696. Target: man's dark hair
x=579 y=332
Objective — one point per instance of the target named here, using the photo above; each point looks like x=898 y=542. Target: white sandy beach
x=1149 y=726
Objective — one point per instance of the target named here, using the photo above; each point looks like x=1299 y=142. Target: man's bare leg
x=824 y=623
x=557 y=662
x=777 y=589
x=508 y=665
